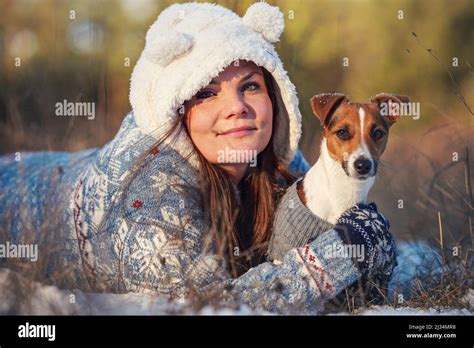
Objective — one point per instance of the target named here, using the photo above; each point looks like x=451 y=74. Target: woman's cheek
x=203 y=136
x=266 y=122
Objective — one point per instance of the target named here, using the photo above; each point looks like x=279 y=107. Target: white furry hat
x=190 y=44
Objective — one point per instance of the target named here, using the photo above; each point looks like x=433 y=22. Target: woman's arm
x=305 y=279
x=359 y=244
x=173 y=260
x=165 y=249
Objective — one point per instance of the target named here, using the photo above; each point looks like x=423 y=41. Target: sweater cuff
x=328 y=271
x=294 y=225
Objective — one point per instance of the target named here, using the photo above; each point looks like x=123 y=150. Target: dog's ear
x=325 y=104
x=389 y=105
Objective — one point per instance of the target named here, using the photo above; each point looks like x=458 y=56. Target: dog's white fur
x=329 y=190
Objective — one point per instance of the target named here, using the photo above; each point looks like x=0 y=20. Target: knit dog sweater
x=294 y=225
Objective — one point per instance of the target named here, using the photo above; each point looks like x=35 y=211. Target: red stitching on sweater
x=323 y=277
x=155 y=151
x=137 y=204
x=321 y=271
x=309 y=271
x=306 y=249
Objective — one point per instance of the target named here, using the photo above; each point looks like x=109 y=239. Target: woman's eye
x=204 y=94
x=252 y=86
x=377 y=134
x=342 y=134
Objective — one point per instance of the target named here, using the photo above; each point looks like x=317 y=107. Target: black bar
x=139 y=330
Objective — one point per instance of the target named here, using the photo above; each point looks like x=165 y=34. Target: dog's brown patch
x=346 y=117
x=336 y=113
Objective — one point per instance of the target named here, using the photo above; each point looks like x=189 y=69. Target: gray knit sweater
x=294 y=225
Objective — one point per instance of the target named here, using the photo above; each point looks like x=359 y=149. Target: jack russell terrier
x=354 y=137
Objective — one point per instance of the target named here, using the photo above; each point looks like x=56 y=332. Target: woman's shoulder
x=161 y=187
x=146 y=181
x=127 y=145
x=131 y=147
x=164 y=169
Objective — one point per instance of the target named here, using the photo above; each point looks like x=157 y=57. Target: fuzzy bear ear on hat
x=266 y=20
x=163 y=48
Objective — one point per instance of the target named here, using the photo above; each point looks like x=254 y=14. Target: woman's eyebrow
x=245 y=78
x=250 y=75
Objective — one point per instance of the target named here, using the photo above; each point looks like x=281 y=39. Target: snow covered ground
x=46 y=300
x=38 y=299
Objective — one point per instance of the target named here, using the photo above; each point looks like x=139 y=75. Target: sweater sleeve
x=306 y=278
x=165 y=249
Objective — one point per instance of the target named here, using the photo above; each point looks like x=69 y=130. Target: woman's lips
x=239 y=132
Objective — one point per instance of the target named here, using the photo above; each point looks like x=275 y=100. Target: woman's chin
x=250 y=146
x=248 y=143
x=239 y=152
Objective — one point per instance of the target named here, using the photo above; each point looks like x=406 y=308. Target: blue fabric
x=299 y=163
x=363 y=225
x=34 y=182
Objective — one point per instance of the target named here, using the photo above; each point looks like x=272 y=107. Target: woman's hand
x=363 y=226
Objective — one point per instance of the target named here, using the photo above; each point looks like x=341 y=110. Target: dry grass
x=449 y=293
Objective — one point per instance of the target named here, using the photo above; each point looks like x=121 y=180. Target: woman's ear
x=325 y=104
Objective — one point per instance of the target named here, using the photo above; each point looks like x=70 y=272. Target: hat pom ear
x=266 y=20
x=165 y=47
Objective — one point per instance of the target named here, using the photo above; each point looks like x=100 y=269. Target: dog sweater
x=294 y=225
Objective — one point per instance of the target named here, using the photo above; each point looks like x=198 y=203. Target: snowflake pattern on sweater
x=151 y=238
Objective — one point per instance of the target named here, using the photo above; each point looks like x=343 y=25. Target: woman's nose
x=235 y=105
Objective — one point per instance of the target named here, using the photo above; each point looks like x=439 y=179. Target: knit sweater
x=294 y=225
x=152 y=238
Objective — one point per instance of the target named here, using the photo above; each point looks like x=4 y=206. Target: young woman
x=181 y=202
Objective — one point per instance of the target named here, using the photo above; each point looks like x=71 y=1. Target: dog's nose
x=362 y=166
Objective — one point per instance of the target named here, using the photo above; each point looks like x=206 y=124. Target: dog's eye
x=342 y=134
x=377 y=134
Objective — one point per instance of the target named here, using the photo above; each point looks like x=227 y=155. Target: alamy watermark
x=81 y=109
x=391 y=108
x=28 y=330
x=348 y=251
x=20 y=251
x=237 y=156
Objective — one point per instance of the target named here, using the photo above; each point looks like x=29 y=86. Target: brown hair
x=241 y=231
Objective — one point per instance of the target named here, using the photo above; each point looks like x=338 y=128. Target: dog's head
x=356 y=133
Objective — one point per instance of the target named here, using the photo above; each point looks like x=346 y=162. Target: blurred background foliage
x=404 y=47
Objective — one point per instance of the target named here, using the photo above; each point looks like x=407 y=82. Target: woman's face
x=230 y=120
